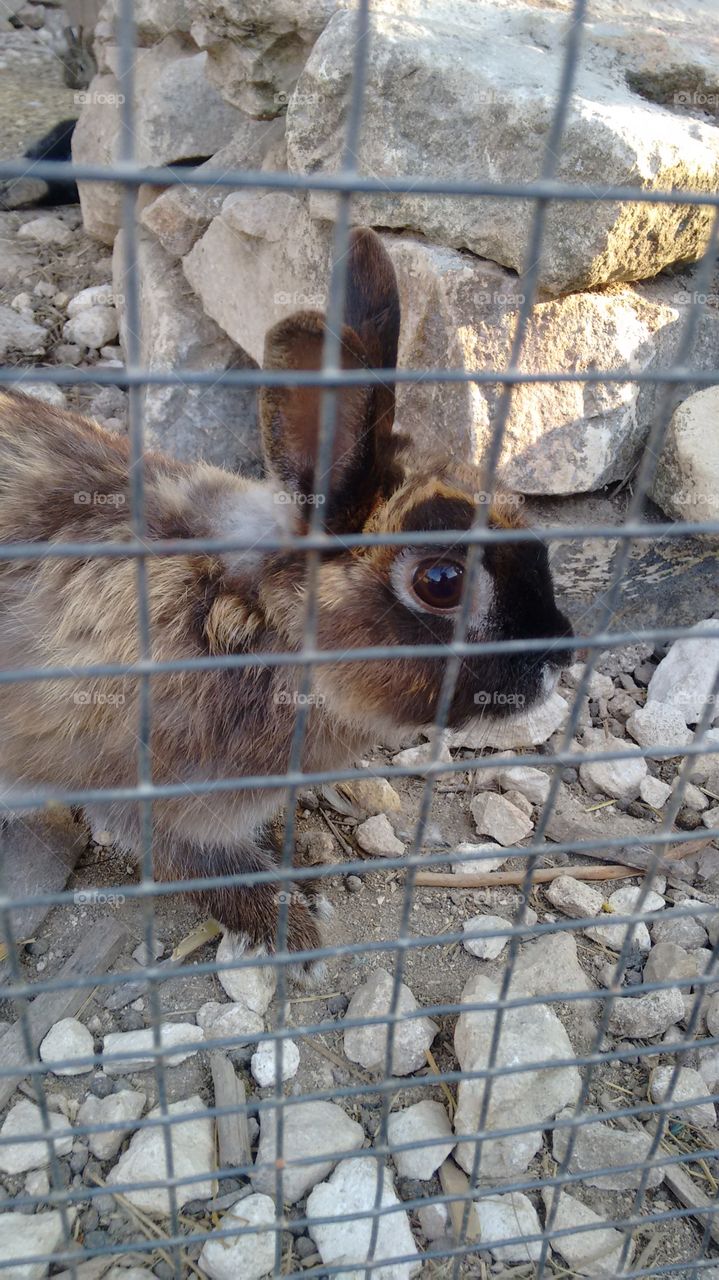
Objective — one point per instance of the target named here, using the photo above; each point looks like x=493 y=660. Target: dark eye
x=438 y=583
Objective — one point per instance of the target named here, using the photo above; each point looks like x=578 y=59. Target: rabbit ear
x=290 y=416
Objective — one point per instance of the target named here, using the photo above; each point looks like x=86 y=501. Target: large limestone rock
x=529 y=1034
x=215 y=423
x=432 y=86
x=178 y=116
x=686 y=481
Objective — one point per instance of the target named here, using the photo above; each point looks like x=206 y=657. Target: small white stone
x=619 y=779
x=45 y=230
x=656 y=725
x=532 y=783
x=311 y=1129
x=23 y=302
x=254 y=986
x=37 y=1183
x=192 y=1155
x=710 y=818
x=422 y=755
x=368 y=1045
x=25 y=1119
x=477 y=943
x=496 y=817
x=26 y=1234
x=352 y=1190
x=501 y=1218
x=625 y=900
x=686 y=931
x=229 y=1022
x=520 y=801
x=613 y=935
x=689 y=1084
x=667 y=962
x=141 y=1045
x=120 y=1109
x=17 y=333
x=574 y=898
x=479 y=864
x=643 y=1017
x=65 y=1040
x=92 y=327
x=48 y=392
x=433 y=1221
x=263 y=1063
x=98 y=295
x=692 y=797
x=417 y=1124
x=654 y=792
x=375 y=795
x=377 y=838
x=248 y=1256
x=599 y=686
x=589 y=1253
x=685 y=678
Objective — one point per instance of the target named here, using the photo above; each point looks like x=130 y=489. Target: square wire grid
x=465 y=1254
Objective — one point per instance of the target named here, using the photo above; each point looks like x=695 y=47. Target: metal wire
x=180 y=1235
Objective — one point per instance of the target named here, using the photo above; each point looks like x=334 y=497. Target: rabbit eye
x=438 y=583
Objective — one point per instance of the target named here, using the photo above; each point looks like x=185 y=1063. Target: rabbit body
x=64 y=479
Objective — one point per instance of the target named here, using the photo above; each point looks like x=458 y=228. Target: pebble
x=25 y=1119
x=589 y=1253
x=229 y=1022
x=375 y=795
x=310 y=1129
x=425 y=1120
x=192 y=1154
x=712 y=1014
x=654 y=792
x=685 y=678
x=668 y=962
x=368 y=1045
x=613 y=935
x=547 y=965
x=254 y=986
x=710 y=818
x=625 y=900
x=520 y=801
x=620 y=779
x=502 y=1218
x=242 y=1257
x=141 y=1045
x=67 y=353
x=689 y=1084
x=657 y=725
x=23 y=302
x=92 y=327
x=598 y=1146
x=17 y=333
x=692 y=797
x=484 y=857
x=422 y=755
x=643 y=1017
x=263 y=1064
x=102 y=1086
x=688 y=819
x=78 y=1158
x=685 y=931
x=353 y=884
x=574 y=898
x=97 y=295
x=316 y=848
x=24 y=1235
x=482 y=947
x=377 y=838
x=352 y=1190
x=120 y=1109
x=305 y=1248
x=68 y=1039
x=433 y=1221
x=46 y=230
x=37 y=1183
x=48 y=392
x=497 y=817
x=44 y=289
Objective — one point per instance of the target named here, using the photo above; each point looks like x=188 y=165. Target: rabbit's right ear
x=290 y=416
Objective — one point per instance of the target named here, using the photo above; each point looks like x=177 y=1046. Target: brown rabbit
x=62 y=478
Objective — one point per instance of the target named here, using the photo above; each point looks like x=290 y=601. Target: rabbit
x=63 y=478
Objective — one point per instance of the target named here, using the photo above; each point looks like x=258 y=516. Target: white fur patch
x=258 y=514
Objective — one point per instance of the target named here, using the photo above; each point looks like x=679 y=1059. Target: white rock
x=530 y=1034
x=92 y=327
x=497 y=817
x=613 y=935
x=68 y=1039
x=368 y=1045
x=525 y=729
x=37 y=1183
x=263 y=1065
x=318 y=1129
x=547 y=965
x=689 y=1084
x=654 y=792
x=23 y=302
x=433 y=1221
x=666 y=962
x=48 y=392
x=532 y=783
x=254 y=986
x=657 y=725
x=19 y=334
x=692 y=797
x=46 y=230
x=375 y=795
x=599 y=686
x=643 y=1017
x=141 y=1045
x=24 y=1119
x=625 y=900
x=686 y=483
x=486 y=857
x=520 y=801
x=24 y=1235
x=97 y=295
x=483 y=947
x=686 y=931
x=574 y=898
x=376 y=837
x=620 y=779
x=416 y=1124
x=710 y=818
x=422 y=755
x=229 y=1022
x=193 y=1155
x=120 y=1109
x=249 y=1256
x=598 y=1146
x=416 y=124
x=502 y=1218
x=352 y=1190
x=588 y=1253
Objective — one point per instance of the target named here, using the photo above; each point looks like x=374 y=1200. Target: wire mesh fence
x=653 y=1210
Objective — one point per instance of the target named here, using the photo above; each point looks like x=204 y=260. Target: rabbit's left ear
x=290 y=416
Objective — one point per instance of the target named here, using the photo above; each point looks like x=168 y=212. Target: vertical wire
x=133 y=359
x=329 y=402
x=650 y=454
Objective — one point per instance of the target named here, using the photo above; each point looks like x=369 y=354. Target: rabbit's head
x=393 y=595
